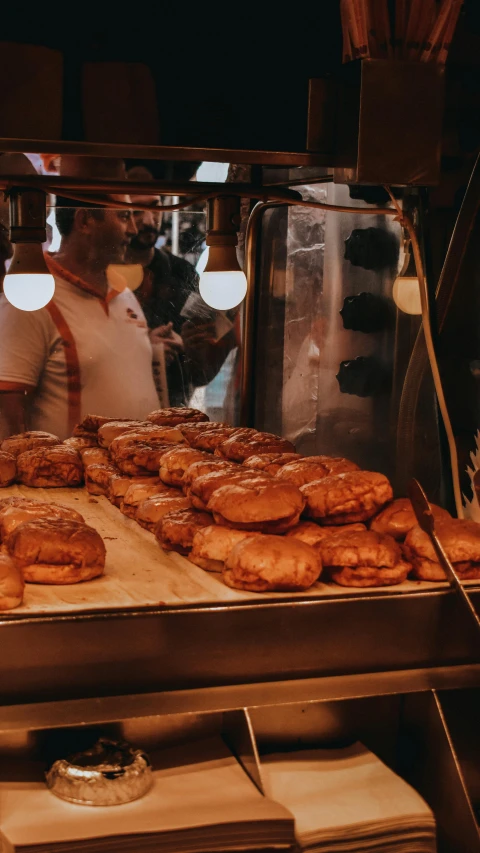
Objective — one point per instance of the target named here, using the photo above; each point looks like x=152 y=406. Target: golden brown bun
x=245 y=443
x=57 y=552
x=150 y=511
x=368 y=576
x=312 y=468
x=272 y=563
x=191 y=430
x=24 y=441
x=110 y=430
x=175 y=531
x=11 y=583
x=312 y=534
x=176 y=415
x=141 y=452
x=92 y=423
x=50 y=467
x=81 y=442
x=255 y=505
x=99 y=476
x=15 y=500
x=174 y=463
x=12 y=516
x=209 y=439
x=271 y=463
x=346 y=498
x=364 y=548
x=139 y=492
x=94 y=456
x=8 y=469
x=203 y=487
x=461 y=541
x=398 y=517
x=212 y=545
x=206 y=466
x=119 y=484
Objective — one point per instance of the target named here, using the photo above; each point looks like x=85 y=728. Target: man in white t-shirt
x=88 y=350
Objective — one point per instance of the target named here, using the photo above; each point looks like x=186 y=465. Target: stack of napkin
x=201 y=800
x=348 y=800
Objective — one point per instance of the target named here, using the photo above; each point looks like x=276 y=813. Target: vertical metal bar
x=250 y=313
x=175 y=227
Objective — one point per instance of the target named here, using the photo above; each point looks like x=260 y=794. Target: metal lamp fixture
x=223 y=283
x=28 y=284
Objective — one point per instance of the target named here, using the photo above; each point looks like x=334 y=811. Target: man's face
x=111 y=234
x=148 y=223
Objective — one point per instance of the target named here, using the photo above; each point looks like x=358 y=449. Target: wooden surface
x=139 y=573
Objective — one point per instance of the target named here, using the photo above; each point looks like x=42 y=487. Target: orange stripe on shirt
x=61 y=272
x=72 y=363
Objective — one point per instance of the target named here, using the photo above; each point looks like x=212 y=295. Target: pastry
x=346 y=498
x=270 y=507
x=24 y=441
x=248 y=442
x=57 y=552
x=119 y=484
x=175 y=530
x=139 y=492
x=191 y=430
x=12 y=516
x=272 y=564
x=50 y=467
x=313 y=534
x=312 y=468
x=8 y=468
x=210 y=439
x=203 y=487
x=94 y=456
x=174 y=463
x=99 y=476
x=461 y=541
x=398 y=517
x=363 y=559
x=80 y=442
x=205 y=466
x=270 y=462
x=137 y=453
x=11 y=583
x=151 y=510
x=176 y=415
x=110 y=430
x=212 y=545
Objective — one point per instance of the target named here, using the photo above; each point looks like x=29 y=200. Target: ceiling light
x=223 y=284
x=28 y=284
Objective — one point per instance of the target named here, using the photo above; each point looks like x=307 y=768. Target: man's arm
x=13 y=410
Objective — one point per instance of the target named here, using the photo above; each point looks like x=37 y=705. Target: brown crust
x=50 y=467
x=312 y=534
x=80 y=442
x=141 y=453
x=12 y=516
x=256 y=505
x=112 y=429
x=92 y=423
x=368 y=576
x=174 y=463
x=17 y=444
x=212 y=545
x=119 y=485
x=176 y=530
x=139 y=492
x=206 y=466
x=8 y=469
x=209 y=439
x=246 y=442
x=176 y=415
x=150 y=511
x=398 y=518
x=365 y=548
x=346 y=498
x=315 y=468
x=461 y=541
x=94 y=456
x=272 y=563
x=57 y=551
x=98 y=477
x=11 y=583
x=203 y=487
x=271 y=463
x=191 y=430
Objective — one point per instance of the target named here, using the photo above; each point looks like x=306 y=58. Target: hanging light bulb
x=28 y=284
x=406 y=287
x=223 y=283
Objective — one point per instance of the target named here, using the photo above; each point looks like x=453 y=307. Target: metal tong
x=424 y=516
